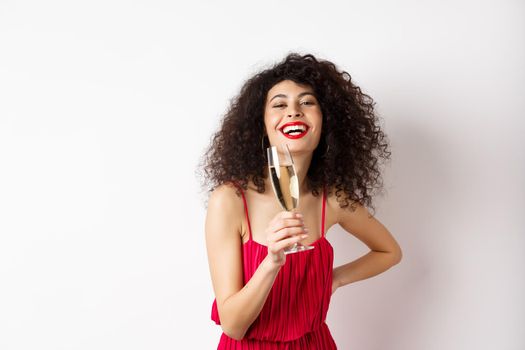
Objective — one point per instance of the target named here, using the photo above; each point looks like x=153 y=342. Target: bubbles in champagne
x=294 y=186
x=285 y=185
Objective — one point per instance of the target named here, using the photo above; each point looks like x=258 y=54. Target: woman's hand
x=285 y=229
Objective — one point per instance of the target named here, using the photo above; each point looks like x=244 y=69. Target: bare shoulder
x=354 y=210
x=225 y=196
x=225 y=205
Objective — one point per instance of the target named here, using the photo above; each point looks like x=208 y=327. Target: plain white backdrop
x=107 y=106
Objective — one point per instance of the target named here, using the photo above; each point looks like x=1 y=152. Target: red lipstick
x=294 y=130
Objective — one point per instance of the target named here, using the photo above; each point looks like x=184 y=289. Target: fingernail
x=304 y=236
x=305 y=229
x=299 y=215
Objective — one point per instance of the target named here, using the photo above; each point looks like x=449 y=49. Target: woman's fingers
x=286 y=232
x=280 y=222
x=285 y=229
x=287 y=217
x=285 y=243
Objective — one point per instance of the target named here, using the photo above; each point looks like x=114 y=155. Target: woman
x=264 y=298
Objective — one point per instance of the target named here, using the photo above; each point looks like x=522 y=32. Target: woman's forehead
x=286 y=87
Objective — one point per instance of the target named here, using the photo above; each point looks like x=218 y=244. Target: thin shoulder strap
x=245 y=211
x=323 y=214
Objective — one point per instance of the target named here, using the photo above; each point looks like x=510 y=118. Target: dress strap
x=245 y=210
x=323 y=213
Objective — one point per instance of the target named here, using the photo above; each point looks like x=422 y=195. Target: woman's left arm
x=384 y=253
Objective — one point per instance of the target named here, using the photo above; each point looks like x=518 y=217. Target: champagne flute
x=285 y=184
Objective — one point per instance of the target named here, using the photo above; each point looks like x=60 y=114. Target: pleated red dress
x=294 y=314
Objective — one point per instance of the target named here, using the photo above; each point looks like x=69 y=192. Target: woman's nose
x=294 y=112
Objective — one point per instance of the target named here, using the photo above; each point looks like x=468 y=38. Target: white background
x=107 y=106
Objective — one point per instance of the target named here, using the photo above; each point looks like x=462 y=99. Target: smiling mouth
x=294 y=130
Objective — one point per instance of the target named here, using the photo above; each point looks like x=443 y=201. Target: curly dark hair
x=346 y=159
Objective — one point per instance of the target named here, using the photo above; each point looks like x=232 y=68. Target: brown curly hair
x=346 y=159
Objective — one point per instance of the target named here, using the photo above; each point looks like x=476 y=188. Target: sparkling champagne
x=285 y=185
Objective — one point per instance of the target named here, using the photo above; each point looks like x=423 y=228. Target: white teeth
x=296 y=128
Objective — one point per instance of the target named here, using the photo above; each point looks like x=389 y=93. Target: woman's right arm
x=239 y=305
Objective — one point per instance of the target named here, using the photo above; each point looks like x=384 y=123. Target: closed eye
x=304 y=103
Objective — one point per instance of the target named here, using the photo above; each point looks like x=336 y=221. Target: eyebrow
x=300 y=95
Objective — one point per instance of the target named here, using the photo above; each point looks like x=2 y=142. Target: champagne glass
x=285 y=184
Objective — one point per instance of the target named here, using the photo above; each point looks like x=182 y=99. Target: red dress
x=294 y=314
